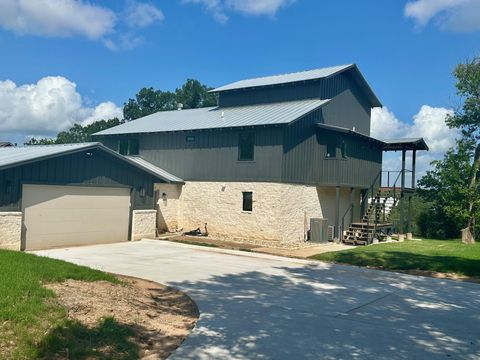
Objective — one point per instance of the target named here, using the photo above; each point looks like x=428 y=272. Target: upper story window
x=128 y=146
x=246 y=146
x=343 y=149
x=331 y=150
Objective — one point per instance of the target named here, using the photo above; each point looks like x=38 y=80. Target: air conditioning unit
x=319 y=230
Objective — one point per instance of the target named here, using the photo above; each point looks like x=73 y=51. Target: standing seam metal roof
x=284 y=78
x=16 y=156
x=214 y=118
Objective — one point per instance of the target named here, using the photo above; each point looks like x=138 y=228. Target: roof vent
x=223 y=114
x=179 y=106
x=353 y=128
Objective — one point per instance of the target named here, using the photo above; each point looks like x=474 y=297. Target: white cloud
x=69 y=18
x=220 y=8
x=59 y=18
x=104 y=111
x=142 y=14
x=47 y=107
x=451 y=15
x=428 y=123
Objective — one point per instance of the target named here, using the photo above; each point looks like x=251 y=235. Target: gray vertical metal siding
x=213 y=156
x=304 y=158
x=100 y=169
x=326 y=88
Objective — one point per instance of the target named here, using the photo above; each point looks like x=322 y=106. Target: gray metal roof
x=212 y=118
x=161 y=173
x=285 y=78
x=348 y=131
x=16 y=156
x=407 y=144
x=13 y=156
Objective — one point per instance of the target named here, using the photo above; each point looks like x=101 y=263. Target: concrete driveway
x=263 y=307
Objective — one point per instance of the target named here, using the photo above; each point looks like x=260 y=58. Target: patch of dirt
x=161 y=317
x=439 y=275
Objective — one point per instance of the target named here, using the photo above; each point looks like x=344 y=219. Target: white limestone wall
x=144 y=224
x=168 y=196
x=281 y=212
x=10 y=230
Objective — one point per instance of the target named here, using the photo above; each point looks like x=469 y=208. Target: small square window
x=331 y=150
x=246 y=146
x=128 y=147
x=247 y=201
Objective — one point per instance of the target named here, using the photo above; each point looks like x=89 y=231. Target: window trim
x=250 y=133
x=244 y=199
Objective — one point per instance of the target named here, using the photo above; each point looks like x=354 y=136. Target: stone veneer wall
x=281 y=212
x=10 y=230
x=144 y=224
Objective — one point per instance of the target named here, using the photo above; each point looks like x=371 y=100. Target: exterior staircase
x=374 y=223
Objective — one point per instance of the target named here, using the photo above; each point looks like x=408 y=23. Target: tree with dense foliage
x=452 y=188
x=467 y=119
x=77 y=133
x=191 y=95
x=446 y=194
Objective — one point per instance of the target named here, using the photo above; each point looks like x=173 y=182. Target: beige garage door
x=57 y=216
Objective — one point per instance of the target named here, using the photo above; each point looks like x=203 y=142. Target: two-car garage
x=76 y=194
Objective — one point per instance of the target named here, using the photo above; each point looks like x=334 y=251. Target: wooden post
x=337 y=213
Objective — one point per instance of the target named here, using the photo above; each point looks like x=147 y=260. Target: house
x=279 y=159
x=275 y=153
x=5 y=144
x=77 y=194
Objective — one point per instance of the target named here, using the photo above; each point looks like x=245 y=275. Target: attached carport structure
x=75 y=194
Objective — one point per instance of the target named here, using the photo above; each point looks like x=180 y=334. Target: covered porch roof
x=405 y=144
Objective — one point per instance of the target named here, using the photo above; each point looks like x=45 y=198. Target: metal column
x=402 y=191
x=337 y=213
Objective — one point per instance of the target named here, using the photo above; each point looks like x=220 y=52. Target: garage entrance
x=60 y=216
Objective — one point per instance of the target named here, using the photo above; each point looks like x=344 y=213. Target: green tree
x=77 y=133
x=467 y=119
x=194 y=95
x=147 y=101
x=445 y=191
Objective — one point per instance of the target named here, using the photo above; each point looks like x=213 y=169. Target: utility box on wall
x=319 y=230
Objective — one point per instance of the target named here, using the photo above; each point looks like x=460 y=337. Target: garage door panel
x=56 y=216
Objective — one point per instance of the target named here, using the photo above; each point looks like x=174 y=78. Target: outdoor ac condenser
x=319 y=230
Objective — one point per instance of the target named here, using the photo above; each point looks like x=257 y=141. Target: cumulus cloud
x=428 y=123
x=47 y=107
x=60 y=18
x=142 y=14
x=68 y=18
x=450 y=15
x=221 y=8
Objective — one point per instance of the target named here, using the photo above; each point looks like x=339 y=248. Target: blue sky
x=110 y=49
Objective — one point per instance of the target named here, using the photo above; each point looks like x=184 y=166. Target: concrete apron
x=256 y=306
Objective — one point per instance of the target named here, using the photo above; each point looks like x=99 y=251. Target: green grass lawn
x=34 y=327
x=445 y=256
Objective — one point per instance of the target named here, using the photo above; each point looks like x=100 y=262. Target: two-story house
x=275 y=152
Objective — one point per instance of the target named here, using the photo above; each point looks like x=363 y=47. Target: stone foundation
x=281 y=212
x=10 y=230
x=144 y=224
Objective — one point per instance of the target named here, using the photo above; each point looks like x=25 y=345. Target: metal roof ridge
x=341 y=68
